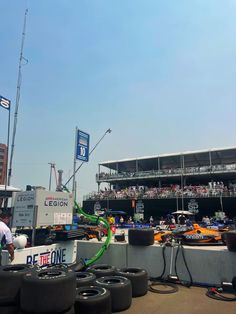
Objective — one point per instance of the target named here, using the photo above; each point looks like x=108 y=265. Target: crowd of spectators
x=213 y=189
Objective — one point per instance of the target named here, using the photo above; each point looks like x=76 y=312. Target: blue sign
x=82 y=151
x=4 y=102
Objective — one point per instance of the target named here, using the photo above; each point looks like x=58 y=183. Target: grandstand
x=202 y=181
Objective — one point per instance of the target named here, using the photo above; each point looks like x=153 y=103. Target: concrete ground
x=186 y=301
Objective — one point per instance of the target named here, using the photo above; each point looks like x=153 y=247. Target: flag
x=5 y=103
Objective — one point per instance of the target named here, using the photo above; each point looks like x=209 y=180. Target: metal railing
x=167 y=172
x=100 y=197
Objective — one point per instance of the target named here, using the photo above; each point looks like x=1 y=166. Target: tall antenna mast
x=19 y=80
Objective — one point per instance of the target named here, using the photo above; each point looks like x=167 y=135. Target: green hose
x=95 y=219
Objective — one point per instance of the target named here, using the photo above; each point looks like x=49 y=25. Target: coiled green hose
x=97 y=220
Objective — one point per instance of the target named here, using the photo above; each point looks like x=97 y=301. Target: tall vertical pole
x=74 y=166
x=50 y=176
x=19 y=80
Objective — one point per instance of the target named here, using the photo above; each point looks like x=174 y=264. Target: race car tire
x=70 y=311
x=138 y=278
x=84 y=279
x=120 y=289
x=51 y=290
x=101 y=270
x=11 y=309
x=142 y=237
x=230 y=238
x=234 y=283
x=92 y=300
x=119 y=237
x=10 y=282
x=223 y=237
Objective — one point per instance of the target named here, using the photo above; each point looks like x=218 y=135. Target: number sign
x=82 y=151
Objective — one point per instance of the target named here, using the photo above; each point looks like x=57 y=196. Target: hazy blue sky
x=160 y=74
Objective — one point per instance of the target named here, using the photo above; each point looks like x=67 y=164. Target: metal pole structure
x=182 y=184
x=107 y=131
x=19 y=80
x=52 y=165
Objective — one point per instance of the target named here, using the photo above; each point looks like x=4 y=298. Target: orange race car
x=193 y=234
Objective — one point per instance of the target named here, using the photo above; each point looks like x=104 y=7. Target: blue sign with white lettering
x=5 y=103
x=82 y=151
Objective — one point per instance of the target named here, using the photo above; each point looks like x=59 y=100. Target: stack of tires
x=48 y=291
x=101 y=289
x=11 y=277
x=111 y=291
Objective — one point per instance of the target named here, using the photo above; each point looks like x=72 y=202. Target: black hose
x=173 y=287
x=216 y=294
x=160 y=281
x=186 y=284
x=164 y=267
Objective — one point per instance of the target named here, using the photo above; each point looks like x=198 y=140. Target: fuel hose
x=96 y=220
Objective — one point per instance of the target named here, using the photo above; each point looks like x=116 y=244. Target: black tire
x=101 y=270
x=84 y=279
x=120 y=289
x=138 y=278
x=234 y=283
x=120 y=238
x=48 y=291
x=230 y=238
x=223 y=237
x=70 y=311
x=143 y=237
x=10 y=282
x=92 y=300
x=11 y=309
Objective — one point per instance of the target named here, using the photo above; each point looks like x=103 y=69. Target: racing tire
x=11 y=309
x=84 y=279
x=10 y=282
x=70 y=311
x=51 y=290
x=141 y=237
x=138 y=278
x=223 y=237
x=92 y=300
x=119 y=238
x=120 y=289
x=230 y=238
x=101 y=270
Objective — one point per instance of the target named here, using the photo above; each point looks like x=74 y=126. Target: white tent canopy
x=182 y=212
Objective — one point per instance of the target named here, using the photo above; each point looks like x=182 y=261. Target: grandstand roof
x=197 y=158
